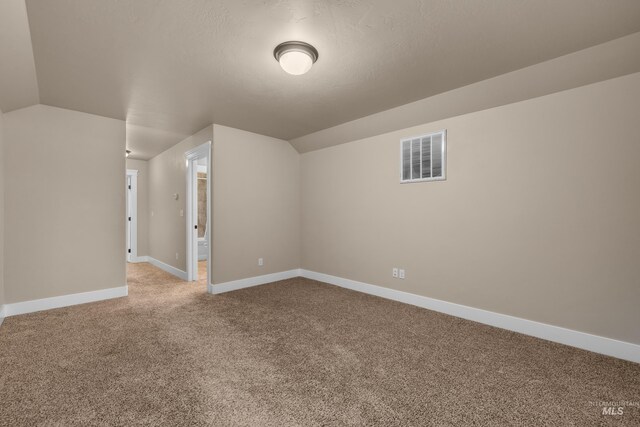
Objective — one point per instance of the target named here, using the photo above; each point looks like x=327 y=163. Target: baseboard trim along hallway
x=163 y=266
x=597 y=344
x=32 y=306
x=252 y=281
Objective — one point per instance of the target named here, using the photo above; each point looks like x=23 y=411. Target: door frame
x=192 y=156
x=131 y=215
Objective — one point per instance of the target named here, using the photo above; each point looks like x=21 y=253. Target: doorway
x=199 y=213
x=132 y=215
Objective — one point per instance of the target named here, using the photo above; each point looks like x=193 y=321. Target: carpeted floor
x=296 y=352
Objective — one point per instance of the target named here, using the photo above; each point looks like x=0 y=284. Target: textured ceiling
x=605 y=61
x=174 y=67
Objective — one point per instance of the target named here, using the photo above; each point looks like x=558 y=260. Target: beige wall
x=538 y=218
x=64 y=203
x=167 y=176
x=256 y=213
x=1 y=210
x=142 y=166
x=256 y=205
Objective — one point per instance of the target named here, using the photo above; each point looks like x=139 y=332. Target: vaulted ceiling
x=170 y=68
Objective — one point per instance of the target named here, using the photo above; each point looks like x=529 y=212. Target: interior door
x=128 y=218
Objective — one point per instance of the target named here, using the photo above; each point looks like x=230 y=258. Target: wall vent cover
x=424 y=158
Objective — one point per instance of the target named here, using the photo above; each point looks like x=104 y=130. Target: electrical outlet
x=401 y=273
x=395 y=272
x=181 y=212
x=176 y=255
x=260 y=262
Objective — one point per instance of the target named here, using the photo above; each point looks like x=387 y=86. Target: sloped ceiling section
x=18 y=83
x=170 y=68
x=181 y=65
x=605 y=61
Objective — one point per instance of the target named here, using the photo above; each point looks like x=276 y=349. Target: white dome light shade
x=296 y=63
x=295 y=58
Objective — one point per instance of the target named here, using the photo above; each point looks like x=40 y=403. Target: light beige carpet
x=295 y=352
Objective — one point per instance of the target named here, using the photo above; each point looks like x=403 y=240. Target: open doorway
x=202 y=177
x=199 y=213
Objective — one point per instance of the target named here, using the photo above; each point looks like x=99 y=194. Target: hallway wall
x=255 y=204
x=167 y=220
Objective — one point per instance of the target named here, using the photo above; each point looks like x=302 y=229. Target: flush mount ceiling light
x=295 y=57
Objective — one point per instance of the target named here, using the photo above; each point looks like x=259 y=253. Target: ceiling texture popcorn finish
x=170 y=68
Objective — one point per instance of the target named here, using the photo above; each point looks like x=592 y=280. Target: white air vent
x=424 y=158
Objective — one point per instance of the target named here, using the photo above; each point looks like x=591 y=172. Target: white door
x=128 y=219
x=131 y=213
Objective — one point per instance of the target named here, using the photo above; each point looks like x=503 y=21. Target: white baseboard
x=142 y=258
x=610 y=347
x=166 y=267
x=2 y=315
x=24 y=307
x=252 y=281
